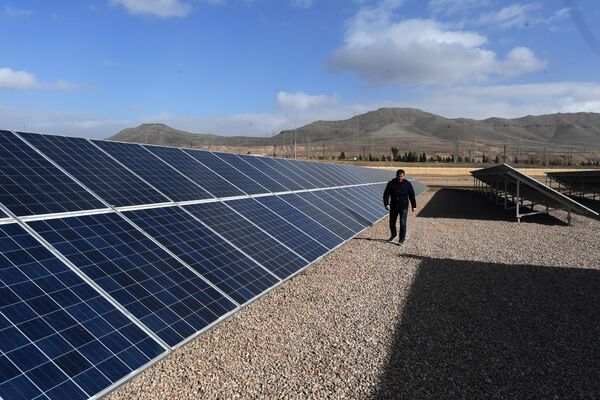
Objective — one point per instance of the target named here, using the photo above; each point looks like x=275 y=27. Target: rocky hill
x=407 y=128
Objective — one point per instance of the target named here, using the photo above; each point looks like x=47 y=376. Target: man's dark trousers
x=394 y=213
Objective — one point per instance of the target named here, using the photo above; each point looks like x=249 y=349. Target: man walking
x=396 y=197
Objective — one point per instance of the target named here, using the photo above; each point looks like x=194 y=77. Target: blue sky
x=255 y=67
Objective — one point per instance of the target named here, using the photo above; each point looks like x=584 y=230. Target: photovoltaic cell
x=154 y=171
x=367 y=199
x=232 y=175
x=31 y=185
x=218 y=261
x=196 y=171
x=2 y=215
x=302 y=221
x=294 y=176
x=320 y=215
x=257 y=175
x=351 y=206
x=295 y=168
x=318 y=200
x=247 y=237
x=59 y=338
x=100 y=173
x=321 y=172
x=161 y=292
x=268 y=168
x=278 y=227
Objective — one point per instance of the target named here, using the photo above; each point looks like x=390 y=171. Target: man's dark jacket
x=400 y=193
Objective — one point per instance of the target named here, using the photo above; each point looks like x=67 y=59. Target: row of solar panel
x=123 y=174
x=118 y=289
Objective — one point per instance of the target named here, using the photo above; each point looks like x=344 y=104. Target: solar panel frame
x=325 y=174
x=227 y=172
x=530 y=188
x=278 y=227
x=60 y=337
x=196 y=171
x=99 y=172
x=249 y=238
x=199 y=247
x=154 y=170
x=165 y=295
x=32 y=185
x=254 y=173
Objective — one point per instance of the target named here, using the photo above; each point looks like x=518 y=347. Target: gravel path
x=471 y=307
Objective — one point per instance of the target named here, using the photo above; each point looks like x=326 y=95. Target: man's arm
x=411 y=196
x=386 y=197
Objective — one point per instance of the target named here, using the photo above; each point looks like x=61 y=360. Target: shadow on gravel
x=483 y=330
x=467 y=204
x=589 y=203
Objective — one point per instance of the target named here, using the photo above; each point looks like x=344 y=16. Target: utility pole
x=295 y=133
x=504 y=154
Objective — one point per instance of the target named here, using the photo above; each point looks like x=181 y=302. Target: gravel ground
x=471 y=307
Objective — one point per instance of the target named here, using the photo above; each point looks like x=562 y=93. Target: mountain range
x=407 y=128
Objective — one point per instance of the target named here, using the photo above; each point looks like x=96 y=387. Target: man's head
x=400 y=175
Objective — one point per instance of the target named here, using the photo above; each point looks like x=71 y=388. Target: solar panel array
x=113 y=254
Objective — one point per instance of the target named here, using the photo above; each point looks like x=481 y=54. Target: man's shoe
x=391 y=239
x=401 y=243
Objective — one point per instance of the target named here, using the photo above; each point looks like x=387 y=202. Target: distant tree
x=342 y=156
x=497 y=159
x=467 y=159
x=459 y=159
x=484 y=158
x=395 y=152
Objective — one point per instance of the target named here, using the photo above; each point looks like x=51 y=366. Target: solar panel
x=351 y=206
x=300 y=220
x=283 y=171
x=196 y=171
x=162 y=293
x=92 y=167
x=30 y=184
x=227 y=268
x=231 y=174
x=507 y=181
x=257 y=175
x=59 y=338
x=311 y=181
x=249 y=238
x=578 y=182
x=320 y=201
x=2 y=215
x=278 y=227
x=154 y=171
x=319 y=215
x=320 y=172
x=367 y=198
x=269 y=168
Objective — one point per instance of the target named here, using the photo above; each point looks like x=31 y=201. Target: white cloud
x=419 y=51
x=156 y=8
x=300 y=101
x=23 y=80
x=16 y=12
x=510 y=101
